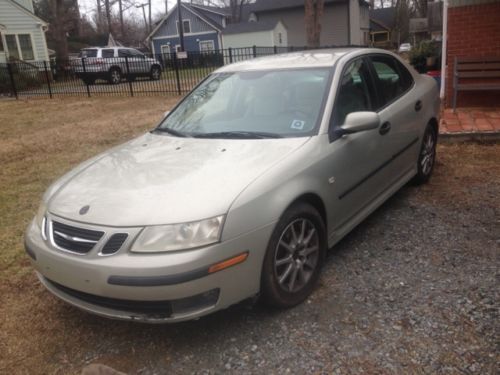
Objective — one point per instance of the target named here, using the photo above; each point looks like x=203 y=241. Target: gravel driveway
x=414 y=289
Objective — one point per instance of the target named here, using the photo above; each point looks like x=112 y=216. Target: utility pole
x=143 y=14
x=181 y=25
x=150 y=28
x=121 y=17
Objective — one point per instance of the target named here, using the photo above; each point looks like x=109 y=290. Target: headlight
x=40 y=219
x=179 y=236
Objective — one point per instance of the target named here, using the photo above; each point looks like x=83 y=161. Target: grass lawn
x=42 y=139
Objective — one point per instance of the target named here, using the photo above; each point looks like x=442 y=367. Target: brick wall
x=473 y=30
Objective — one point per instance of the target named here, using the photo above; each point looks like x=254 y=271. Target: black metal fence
x=167 y=73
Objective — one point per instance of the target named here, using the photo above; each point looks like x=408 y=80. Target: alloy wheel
x=296 y=255
x=428 y=153
x=115 y=77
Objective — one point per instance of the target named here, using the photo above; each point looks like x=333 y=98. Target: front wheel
x=427 y=156
x=294 y=257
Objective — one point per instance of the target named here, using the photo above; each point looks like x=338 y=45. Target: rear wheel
x=115 y=76
x=155 y=73
x=294 y=257
x=427 y=156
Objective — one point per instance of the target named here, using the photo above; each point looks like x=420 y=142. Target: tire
x=88 y=81
x=155 y=73
x=115 y=76
x=426 y=157
x=277 y=287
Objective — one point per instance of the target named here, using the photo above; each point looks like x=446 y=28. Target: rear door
x=398 y=108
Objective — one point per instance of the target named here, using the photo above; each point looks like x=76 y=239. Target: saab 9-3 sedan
x=240 y=190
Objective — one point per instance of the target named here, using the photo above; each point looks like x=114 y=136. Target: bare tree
x=313 y=12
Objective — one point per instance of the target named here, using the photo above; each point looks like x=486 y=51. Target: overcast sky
x=88 y=7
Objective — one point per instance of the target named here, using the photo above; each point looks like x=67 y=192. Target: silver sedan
x=241 y=188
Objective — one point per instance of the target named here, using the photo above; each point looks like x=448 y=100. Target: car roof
x=303 y=59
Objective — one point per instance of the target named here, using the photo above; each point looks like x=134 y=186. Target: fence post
x=84 y=74
x=230 y=55
x=177 y=75
x=128 y=77
x=254 y=49
x=48 y=78
x=12 y=81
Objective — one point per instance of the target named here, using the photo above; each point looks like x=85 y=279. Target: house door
x=165 y=52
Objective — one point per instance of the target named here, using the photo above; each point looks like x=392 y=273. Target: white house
x=22 y=34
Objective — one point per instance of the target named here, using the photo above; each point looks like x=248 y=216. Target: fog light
x=195 y=303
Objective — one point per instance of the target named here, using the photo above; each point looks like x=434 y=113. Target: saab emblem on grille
x=84 y=210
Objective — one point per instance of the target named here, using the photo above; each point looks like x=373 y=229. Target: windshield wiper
x=171 y=132
x=238 y=135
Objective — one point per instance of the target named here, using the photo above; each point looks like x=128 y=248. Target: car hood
x=160 y=179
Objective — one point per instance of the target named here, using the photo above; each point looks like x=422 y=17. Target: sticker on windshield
x=298 y=124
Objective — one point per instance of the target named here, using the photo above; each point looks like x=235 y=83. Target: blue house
x=202 y=26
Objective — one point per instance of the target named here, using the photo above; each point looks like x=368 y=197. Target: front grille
x=114 y=243
x=78 y=240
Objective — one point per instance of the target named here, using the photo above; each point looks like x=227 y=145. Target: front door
x=356 y=161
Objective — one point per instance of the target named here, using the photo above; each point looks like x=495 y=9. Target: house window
x=19 y=46
x=11 y=43
x=207 y=46
x=1 y=43
x=26 y=47
x=186 y=26
x=280 y=38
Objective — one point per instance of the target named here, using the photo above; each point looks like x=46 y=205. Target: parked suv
x=113 y=64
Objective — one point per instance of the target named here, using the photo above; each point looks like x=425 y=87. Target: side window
x=108 y=53
x=391 y=83
x=124 y=53
x=354 y=93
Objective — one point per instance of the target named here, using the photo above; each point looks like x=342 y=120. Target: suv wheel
x=155 y=74
x=115 y=76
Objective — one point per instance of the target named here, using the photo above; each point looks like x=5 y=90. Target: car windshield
x=252 y=104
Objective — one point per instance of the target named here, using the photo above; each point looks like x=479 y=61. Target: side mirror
x=166 y=114
x=356 y=122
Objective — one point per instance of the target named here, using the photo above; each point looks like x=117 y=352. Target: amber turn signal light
x=228 y=263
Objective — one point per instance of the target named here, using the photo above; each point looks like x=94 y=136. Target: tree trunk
x=108 y=16
x=60 y=31
x=122 y=30
x=313 y=13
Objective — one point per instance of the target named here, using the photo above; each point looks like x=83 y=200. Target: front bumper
x=110 y=285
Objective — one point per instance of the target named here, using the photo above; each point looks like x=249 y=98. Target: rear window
x=88 y=53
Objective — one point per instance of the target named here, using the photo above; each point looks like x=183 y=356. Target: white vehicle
x=113 y=64
x=405 y=47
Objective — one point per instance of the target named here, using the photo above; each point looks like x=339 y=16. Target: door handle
x=385 y=128
x=418 y=105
